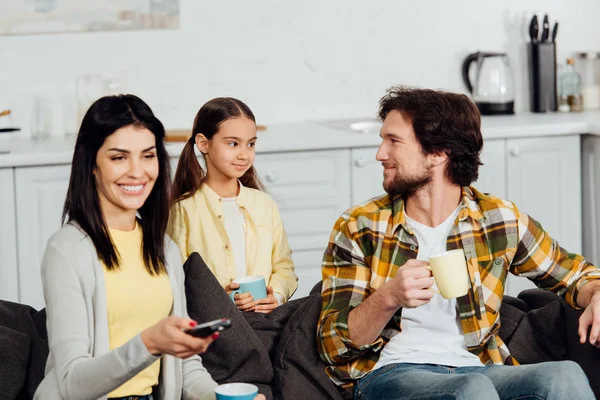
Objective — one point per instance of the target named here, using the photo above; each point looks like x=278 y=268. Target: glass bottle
x=570 y=86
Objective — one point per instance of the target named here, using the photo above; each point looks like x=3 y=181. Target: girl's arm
x=283 y=278
x=80 y=375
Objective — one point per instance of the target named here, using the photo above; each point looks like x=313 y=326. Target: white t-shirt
x=235 y=226
x=431 y=333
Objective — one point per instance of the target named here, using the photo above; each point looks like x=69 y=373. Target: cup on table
x=236 y=391
x=255 y=285
x=450 y=273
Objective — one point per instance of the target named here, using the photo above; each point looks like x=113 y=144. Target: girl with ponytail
x=223 y=212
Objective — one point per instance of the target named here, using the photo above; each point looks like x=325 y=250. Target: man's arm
x=541 y=259
x=346 y=284
x=408 y=289
x=353 y=315
x=551 y=267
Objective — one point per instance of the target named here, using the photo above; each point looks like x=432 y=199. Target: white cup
x=449 y=270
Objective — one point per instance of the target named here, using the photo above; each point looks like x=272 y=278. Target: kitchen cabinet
x=544 y=181
x=367 y=175
x=590 y=161
x=9 y=279
x=311 y=189
x=40 y=196
x=492 y=174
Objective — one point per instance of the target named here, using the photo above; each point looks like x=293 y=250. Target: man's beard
x=407 y=186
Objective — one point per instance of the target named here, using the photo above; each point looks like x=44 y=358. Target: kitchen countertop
x=317 y=135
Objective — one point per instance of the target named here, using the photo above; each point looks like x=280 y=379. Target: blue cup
x=255 y=285
x=236 y=391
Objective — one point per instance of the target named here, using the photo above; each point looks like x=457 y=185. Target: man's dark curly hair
x=443 y=122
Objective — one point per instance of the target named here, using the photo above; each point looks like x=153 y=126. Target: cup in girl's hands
x=255 y=285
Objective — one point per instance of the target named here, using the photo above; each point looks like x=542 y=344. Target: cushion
x=14 y=360
x=510 y=317
x=586 y=355
x=539 y=335
x=239 y=354
x=299 y=370
x=23 y=350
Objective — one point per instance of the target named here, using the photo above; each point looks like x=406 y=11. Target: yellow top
x=196 y=225
x=135 y=300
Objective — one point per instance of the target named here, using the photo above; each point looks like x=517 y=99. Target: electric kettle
x=493 y=88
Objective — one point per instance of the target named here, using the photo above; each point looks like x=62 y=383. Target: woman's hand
x=168 y=337
x=243 y=301
x=268 y=304
x=260 y=397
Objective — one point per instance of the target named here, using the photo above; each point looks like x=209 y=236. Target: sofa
x=278 y=351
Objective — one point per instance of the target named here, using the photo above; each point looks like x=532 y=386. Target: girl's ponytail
x=189 y=175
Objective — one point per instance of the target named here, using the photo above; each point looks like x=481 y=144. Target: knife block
x=542 y=77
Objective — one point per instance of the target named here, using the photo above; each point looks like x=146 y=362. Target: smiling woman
x=119 y=276
x=126 y=169
x=110 y=148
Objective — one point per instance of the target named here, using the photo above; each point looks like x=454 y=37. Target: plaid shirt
x=370 y=242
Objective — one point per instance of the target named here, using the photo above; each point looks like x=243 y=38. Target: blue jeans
x=550 y=380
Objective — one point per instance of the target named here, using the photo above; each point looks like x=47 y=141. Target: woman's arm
x=197 y=382
x=80 y=374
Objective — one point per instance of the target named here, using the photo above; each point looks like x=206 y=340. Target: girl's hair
x=190 y=175
x=82 y=205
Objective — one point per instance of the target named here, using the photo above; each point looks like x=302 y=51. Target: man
x=382 y=328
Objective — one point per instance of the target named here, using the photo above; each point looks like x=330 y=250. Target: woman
x=224 y=214
x=113 y=285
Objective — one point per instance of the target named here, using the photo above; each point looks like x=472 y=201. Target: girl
x=224 y=214
x=116 y=308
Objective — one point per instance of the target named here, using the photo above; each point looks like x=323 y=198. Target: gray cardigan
x=80 y=364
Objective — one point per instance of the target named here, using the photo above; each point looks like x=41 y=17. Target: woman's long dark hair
x=82 y=205
x=190 y=175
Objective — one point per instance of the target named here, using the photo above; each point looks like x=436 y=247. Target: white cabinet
x=40 y=196
x=9 y=280
x=492 y=174
x=590 y=161
x=311 y=189
x=367 y=175
x=544 y=181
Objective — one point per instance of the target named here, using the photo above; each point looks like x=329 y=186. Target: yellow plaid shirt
x=370 y=242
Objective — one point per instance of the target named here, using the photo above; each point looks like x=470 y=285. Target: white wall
x=291 y=60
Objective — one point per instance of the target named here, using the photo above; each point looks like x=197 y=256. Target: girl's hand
x=267 y=305
x=167 y=337
x=260 y=397
x=231 y=286
x=243 y=301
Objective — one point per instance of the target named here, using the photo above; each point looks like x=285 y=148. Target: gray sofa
x=278 y=352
